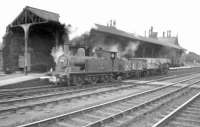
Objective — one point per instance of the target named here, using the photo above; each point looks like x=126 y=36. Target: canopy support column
x=26 y=33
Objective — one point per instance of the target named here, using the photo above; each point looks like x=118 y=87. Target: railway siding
x=51 y=109
x=141 y=97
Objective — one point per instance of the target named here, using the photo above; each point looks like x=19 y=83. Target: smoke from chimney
x=114 y=23
x=130 y=49
x=56 y=52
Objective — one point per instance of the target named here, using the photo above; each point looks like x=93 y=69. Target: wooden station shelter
x=29 y=39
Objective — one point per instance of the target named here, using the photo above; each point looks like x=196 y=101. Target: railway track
x=9 y=93
x=107 y=110
x=65 y=91
x=175 y=72
x=186 y=115
x=151 y=113
x=18 y=92
x=62 y=96
x=43 y=105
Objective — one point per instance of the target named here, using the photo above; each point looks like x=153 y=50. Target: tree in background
x=82 y=41
x=191 y=57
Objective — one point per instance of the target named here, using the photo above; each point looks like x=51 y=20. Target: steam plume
x=57 y=52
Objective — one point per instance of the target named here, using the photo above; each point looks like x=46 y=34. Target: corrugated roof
x=47 y=15
x=115 y=31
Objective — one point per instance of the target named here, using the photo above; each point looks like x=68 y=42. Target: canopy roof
x=34 y=15
x=115 y=31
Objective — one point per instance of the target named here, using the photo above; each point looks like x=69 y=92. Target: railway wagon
x=79 y=70
x=139 y=67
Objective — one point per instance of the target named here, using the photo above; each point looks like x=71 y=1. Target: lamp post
x=113 y=58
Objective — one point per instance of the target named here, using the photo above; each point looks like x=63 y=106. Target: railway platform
x=17 y=78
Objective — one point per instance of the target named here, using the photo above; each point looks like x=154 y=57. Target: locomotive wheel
x=138 y=75
x=79 y=81
x=106 y=78
x=119 y=78
x=73 y=80
x=146 y=73
x=89 y=79
x=102 y=78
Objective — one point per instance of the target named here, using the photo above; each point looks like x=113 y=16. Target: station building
x=111 y=38
x=29 y=39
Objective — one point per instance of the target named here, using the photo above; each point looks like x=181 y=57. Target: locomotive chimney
x=163 y=34
x=114 y=23
x=169 y=33
x=149 y=33
x=111 y=23
x=151 y=29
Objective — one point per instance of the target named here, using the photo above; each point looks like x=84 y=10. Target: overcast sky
x=136 y=16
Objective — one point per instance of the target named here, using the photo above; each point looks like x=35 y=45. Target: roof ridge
x=119 y=32
x=40 y=10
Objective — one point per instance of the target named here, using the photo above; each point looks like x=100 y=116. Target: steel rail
x=22 y=89
x=70 y=92
x=128 y=122
x=167 y=118
x=169 y=77
x=64 y=89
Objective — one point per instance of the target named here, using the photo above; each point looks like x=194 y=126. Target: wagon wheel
x=119 y=78
x=93 y=79
x=102 y=78
x=138 y=74
x=106 y=78
x=111 y=79
x=89 y=79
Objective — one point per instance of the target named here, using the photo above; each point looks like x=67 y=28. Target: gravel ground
x=152 y=113
x=80 y=119
x=157 y=114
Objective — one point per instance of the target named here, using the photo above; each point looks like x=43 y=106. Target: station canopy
x=30 y=38
x=117 y=32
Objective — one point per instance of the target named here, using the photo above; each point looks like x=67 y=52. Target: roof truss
x=26 y=17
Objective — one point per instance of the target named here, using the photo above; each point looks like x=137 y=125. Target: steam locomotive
x=104 y=66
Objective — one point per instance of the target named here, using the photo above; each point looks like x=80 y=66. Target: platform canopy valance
x=34 y=16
